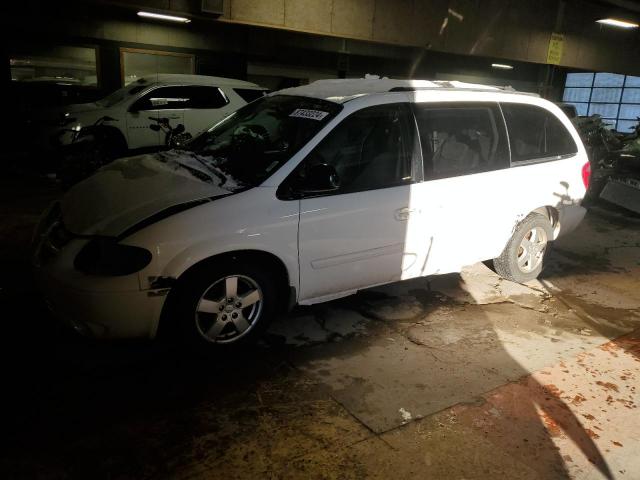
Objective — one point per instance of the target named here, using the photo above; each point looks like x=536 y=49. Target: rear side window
x=461 y=138
x=249 y=94
x=535 y=133
x=168 y=98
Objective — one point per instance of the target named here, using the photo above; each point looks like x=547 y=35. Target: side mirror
x=179 y=129
x=320 y=178
x=155 y=127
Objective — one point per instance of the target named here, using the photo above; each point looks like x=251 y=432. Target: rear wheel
x=523 y=258
x=225 y=305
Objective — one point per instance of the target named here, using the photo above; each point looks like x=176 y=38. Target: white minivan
x=310 y=194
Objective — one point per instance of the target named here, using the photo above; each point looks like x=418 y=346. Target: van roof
x=343 y=90
x=195 y=80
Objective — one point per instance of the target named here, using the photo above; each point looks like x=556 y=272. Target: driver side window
x=371 y=149
x=164 y=98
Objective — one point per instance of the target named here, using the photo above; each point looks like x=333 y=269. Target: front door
x=163 y=105
x=139 y=133
x=355 y=236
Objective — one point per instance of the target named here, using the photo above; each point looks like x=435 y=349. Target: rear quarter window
x=536 y=134
x=206 y=97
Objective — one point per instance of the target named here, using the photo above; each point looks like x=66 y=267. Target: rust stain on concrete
x=591 y=433
x=578 y=399
x=550 y=424
x=608 y=386
x=553 y=390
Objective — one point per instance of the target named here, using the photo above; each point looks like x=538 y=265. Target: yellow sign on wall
x=556 y=44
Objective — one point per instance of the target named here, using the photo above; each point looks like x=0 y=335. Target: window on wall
x=145 y=63
x=62 y=65
x=615 y=97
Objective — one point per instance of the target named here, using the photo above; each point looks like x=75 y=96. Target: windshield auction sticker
x=310 y=114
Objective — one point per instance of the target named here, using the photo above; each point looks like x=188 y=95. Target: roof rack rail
x=446 y=85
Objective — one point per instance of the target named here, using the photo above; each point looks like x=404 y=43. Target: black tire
x=207 y=280
x=506 y=265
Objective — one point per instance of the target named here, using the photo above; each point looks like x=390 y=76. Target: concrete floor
x=460 y=376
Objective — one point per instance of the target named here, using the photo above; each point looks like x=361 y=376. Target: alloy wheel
x=531 y=249
x=229 y=309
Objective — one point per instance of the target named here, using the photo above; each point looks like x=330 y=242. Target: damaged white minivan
x=307 y=195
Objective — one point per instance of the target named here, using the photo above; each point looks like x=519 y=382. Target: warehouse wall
x=401 y=38
x=508 y=29
x=511 y=29
x=224 y=43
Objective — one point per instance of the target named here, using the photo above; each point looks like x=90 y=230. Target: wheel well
x=550 y=212
x=118 y=136
x=270 y=262
x=553 y=215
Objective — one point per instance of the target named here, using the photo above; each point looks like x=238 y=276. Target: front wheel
x=225 y=305
x=522 y=259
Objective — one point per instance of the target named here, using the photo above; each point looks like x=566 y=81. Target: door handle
x=404 y=213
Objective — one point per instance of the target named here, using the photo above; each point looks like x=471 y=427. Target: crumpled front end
x=87 y=270
x=95 y=306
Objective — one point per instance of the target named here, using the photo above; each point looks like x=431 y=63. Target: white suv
x=194 y=101
x=307 y=195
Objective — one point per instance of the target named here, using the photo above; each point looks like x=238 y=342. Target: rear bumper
x=569 y=217
x=97 y=314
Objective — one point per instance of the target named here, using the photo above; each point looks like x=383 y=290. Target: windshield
x=119 y=95
x=256 y=140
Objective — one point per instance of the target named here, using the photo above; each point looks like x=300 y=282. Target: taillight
x=586 y=174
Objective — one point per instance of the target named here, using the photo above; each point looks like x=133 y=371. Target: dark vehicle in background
x=615 y=162
x=195 y=101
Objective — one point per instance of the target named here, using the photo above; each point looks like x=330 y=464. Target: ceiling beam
x=626 y=4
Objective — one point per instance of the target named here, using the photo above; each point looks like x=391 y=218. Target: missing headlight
x=106 y=257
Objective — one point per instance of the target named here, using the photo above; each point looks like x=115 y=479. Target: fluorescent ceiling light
x=159 y=16
x=502 y=66
x=617 y=23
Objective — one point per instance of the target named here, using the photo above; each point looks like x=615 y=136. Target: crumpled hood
x=130 y=190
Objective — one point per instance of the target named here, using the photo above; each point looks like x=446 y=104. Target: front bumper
x=95 y=306
x=102 y=314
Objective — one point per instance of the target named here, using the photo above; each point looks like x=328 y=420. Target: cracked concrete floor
x=460 y=376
